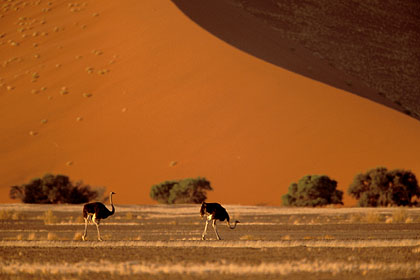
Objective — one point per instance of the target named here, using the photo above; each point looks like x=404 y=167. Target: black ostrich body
x=97 y=208
x=214 y=212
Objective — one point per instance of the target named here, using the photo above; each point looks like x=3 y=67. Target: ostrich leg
x=203 y=236
x=96 y=222
x=215 y=230
x=99 y=234
x=85 y=233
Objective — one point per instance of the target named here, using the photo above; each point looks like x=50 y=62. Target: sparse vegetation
x=313 y=190
x=372 y=217
x=53 y=189
x=5 y=214
x=11 y=215
x=78 y=236
x=399 y=216
x=380 y=187
x=52 y=236
x=49 y=218
x=248 y=237
x=254 y=251
x=129 y=216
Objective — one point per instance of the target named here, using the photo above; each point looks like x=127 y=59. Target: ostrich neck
x=112 y=205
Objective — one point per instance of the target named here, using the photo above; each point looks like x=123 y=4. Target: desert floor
x=164 y=242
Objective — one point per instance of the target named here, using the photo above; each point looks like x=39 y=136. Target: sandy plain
x=163 y=242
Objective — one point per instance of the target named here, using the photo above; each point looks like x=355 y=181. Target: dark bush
x=380 y=187
x=181 y=191
x=53 y=189
x=313 y=190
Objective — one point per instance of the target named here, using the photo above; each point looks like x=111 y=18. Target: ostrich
x=96 y=211
x=214 y=212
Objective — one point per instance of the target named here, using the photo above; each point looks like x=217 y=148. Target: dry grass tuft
x=388 y=220
x=49 y=218
x=18 y=215
x=5 y=214
x=372 y=217
x=328 y=237
x=106 y=237
x=399 y=216
x=11 y=215
x=77 y=236
x=129 y=216
x=52 y=236
x=409 y=220
x=286 y=237
x=248 y=237
x=32 y=236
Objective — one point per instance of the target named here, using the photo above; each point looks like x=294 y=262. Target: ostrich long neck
x=230 y=226
x=112 y=205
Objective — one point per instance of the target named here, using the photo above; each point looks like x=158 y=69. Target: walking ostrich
x=214 y=212
x=96 y=211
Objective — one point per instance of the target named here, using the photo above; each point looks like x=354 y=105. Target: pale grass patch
x=32 y=236
x=227 y=268
x=399 y=216
x=248 y=237
x=129 y=216
x=11 y=215
x=106 y=236
x=18 y=215
x=328 y=237
x=78 y=236
x=416 y=250
x=409 y=220
x=75 y=220
x=372 y=217
x=49 y=218
x=138 y=238
x=52 y=236
x=5 y=214
x=369 y=217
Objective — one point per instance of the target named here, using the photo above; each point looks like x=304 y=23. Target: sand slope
x=115 y=93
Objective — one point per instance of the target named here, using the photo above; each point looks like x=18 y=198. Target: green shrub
x=313 y=190
x=380 y=187
x=181 y=191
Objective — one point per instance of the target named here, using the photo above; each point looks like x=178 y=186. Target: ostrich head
x=203 y=209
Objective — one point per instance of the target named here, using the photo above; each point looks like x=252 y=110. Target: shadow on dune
x=229 y=22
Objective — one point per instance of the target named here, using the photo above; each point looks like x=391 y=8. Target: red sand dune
x=112 y=93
